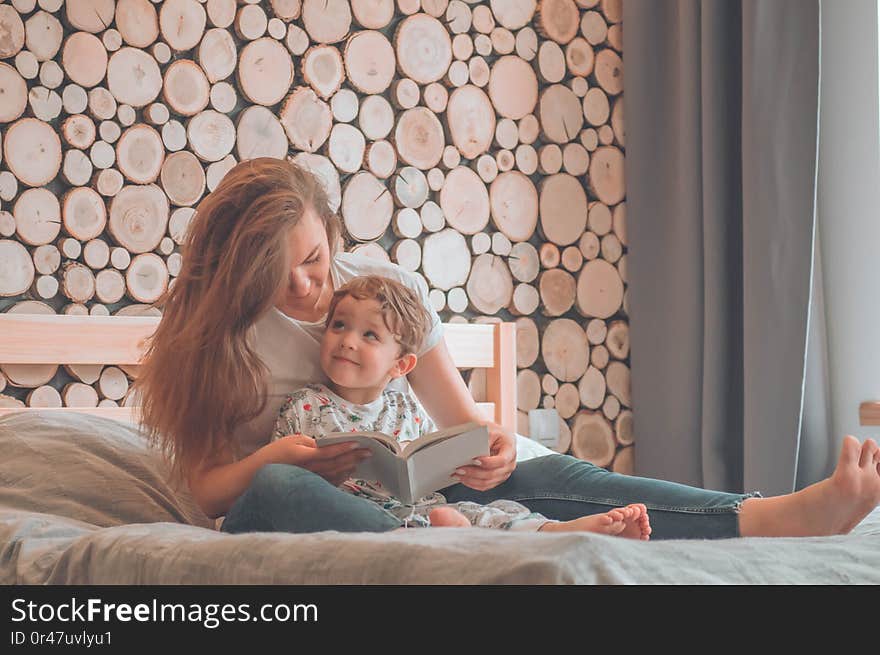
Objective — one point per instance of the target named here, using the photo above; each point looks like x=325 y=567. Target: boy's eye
x=372 y=335
x=313 y=260
x=337 y=325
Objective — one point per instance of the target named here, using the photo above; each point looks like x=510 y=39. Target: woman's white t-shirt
x=290 y=349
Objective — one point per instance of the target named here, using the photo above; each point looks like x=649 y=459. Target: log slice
x=211 y=135
x=183 y=178
x=560 y=114
x=37 y=215
x=563 y=206
x=140 y=153
x=446 y=261
x=185 y=88
x=265 y=71
x=83 y=213
x=33 y=151
x=513 y=87
x=424 y=49
x=182 y=23
x=465 y=201
x=139 y=217
x=513 y=14
x=13 y=90
x=513 y=200
x=307 y=120
x=323 y=70
x=558 y=20
x=369 y=62
x=146 y=278
x=259 y=134
x=470 y=120
x=565 y=350
x=133 y=77
x=137 y=22
x=16 y=268
x=419 y=138
x=592 y=438
x=217 y=54
x=373 y=14
x=12 y=33
x=599 y=289
x=326 y=21
x=367 y=207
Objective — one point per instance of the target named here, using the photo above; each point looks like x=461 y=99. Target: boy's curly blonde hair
x=402 y=310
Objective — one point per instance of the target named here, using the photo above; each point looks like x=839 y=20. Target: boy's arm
x=217 y=484
x=288 y=421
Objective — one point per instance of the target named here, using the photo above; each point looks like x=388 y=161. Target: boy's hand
x=494 y=468
x=334 y=463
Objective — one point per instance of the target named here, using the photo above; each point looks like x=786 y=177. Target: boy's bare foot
x=833 y=506
x=630 y=522
x=447 y=517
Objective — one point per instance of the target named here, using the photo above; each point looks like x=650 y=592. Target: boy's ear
x=403 y=365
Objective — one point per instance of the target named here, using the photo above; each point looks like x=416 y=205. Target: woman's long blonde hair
x=201 y=378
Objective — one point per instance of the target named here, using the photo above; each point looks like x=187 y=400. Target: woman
x=241 y=326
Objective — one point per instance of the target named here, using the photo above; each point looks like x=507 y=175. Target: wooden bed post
x=501 y=378
x=120 y=340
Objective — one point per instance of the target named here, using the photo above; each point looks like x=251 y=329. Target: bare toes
x=616 y=527
x=616 y=515
x=869 y=449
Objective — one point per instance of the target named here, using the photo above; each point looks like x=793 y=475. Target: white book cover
x=412 y=469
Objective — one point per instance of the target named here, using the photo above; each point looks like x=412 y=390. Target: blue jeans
x=285 y=498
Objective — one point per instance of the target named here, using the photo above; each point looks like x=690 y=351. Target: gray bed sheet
x=84 y=500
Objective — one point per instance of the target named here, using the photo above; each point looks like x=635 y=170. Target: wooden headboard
x=119 y=340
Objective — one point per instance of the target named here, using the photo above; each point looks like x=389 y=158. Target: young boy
x=374 y=326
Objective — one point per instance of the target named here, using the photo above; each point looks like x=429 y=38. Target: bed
x=85 y=500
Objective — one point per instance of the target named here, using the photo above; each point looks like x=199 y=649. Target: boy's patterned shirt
x=315 y=411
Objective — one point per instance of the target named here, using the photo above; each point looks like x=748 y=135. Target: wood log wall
x=478 y=143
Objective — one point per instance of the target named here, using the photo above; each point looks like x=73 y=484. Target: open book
x=411 y=469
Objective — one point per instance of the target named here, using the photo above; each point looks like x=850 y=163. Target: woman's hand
x=494 y=468
x=334 y=463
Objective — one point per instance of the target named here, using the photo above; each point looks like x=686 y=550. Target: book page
x=367 y=439
x=431 y=468
x=415 y=445
x=384 y=466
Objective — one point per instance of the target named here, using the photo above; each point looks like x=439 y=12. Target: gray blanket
x=83 y=500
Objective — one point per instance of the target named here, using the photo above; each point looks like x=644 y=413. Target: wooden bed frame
x=62 y=339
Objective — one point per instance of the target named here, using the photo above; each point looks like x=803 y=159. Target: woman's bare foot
x=833 y=506
x=447 y=517
x=630 y=522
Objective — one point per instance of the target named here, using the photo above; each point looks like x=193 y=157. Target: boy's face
x=358 y=351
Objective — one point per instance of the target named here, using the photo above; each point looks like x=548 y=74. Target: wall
x=496 y=126
x=849 y=225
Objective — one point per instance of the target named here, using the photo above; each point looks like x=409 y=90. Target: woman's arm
x=442 y=392
x=216 y=486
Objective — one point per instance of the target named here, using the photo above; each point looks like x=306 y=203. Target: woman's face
x=307 y=288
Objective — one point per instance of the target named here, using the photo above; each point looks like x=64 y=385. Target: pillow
x=529 y=449
x=88 y=468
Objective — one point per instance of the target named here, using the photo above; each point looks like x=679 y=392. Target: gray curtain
x=721 y=104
